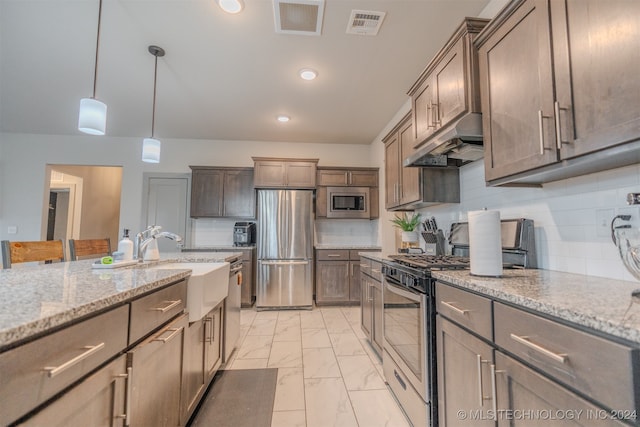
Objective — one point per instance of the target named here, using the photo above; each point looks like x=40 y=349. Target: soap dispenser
x=126 y=246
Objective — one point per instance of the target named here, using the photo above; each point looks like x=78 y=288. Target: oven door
x=405 y=317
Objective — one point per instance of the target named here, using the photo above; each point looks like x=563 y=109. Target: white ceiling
x=224 y=77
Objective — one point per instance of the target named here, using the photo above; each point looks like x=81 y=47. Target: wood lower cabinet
x=99 y=400
x=156 y=372
x=284 y=173
x=371 y=303
x=202 y=358
x=555 y=88
x=338 y=276
x=464 y=375
x=222 y=192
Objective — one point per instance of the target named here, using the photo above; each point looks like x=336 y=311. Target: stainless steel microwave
x=348 y=202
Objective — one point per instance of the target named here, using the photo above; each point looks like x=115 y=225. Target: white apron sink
x=207 y=286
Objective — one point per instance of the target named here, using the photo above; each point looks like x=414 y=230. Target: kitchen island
x=107 y=345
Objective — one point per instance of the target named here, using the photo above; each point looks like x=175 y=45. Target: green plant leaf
x=405 y=223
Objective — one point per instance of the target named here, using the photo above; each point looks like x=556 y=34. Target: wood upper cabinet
x=284 y=173
x=556 y=86
x=222 y=192
x=344 y=177
x=447 y=88
x=403 y=184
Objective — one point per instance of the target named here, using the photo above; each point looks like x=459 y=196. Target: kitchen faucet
x=147 y=236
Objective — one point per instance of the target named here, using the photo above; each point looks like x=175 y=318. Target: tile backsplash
x=571 y=217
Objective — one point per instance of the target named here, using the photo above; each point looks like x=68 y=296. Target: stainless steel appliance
x=244 y=234
x=348 y=202
x=232 y=310
x=285 y=249
x=409 y=362
x=518 y=242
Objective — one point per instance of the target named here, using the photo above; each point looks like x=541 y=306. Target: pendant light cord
x=153 y=111
x=95 y=67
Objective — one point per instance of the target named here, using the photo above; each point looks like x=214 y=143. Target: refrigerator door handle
x=284 y=262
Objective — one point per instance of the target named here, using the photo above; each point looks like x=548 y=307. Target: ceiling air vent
x=298 y=16
x=365 y=22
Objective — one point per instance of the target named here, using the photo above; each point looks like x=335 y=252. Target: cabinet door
x=596 y=59
x=248 y=279
x=321 y=202
x=392 y=172
x=206 y=193
x=424 y=109
x=464 y=382
x=301 y=174
x=451 y=96
x=332 y=281
x=213 y=342
x=410 y=177
x=354 y=281
x=99 y=400
x=333 y=178
x=359 y=178
x=193 y=368
x=519 y=388
x=366 y=307
x=239 y=194
x=156 y=366
x=378 y=332
x=516 y=84
x=269 y=174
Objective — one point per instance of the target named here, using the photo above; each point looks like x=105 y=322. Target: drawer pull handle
x=560 y=358
x=376 y=271
x=55 y=370
x=127 y=405
x=364 y=265
x=171 y=305
x=482 y=397
x=174 y=332
x=334 y=255
x=454 y=308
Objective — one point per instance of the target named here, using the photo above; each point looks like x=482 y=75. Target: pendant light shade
x=92 y=118
x=151 y=150
x=151 y=146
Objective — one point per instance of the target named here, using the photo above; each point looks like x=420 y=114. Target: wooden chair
x=17 y=252
x=89 y=247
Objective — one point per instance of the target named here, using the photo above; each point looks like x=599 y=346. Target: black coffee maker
x=244 y=234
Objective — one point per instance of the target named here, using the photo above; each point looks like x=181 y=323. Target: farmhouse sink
x=206 y=288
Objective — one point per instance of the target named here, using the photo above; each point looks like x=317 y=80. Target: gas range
x=414 y=270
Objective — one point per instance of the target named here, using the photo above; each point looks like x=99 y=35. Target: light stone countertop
x=37 y=298
x=600 y=304
x=595 y=303
x=345 y=246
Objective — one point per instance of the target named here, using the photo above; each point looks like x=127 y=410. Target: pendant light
x=93 y=113
x=151 y=146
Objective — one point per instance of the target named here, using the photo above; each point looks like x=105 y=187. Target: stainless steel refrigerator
x=285 y=249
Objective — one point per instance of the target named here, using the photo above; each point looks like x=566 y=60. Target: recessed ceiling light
x=308 y=74
x=231 y=6
x=282 y=118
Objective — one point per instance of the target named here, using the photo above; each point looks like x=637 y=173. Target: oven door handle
x=403 y=293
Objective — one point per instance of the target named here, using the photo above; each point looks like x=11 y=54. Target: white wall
x=23 y=159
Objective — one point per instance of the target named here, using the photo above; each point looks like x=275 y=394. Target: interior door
x=165 y=203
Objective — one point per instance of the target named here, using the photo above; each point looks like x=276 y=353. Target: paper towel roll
x=485 y=243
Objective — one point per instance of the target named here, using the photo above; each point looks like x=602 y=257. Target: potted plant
x=408 y=225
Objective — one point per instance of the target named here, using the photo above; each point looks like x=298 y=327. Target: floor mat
x=238 y=398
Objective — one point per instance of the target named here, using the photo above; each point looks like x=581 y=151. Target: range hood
x=462 y=140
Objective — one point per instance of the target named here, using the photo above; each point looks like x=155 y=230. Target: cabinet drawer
x=151 y=311
x=602 y=369
x=469 y=310
x=354 y=254
x=36 y=371
x=376 y=270
x=332 y=255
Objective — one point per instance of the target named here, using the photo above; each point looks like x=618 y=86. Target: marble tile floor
x=328 y=376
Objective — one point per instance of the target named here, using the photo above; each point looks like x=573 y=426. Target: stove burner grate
x=432 y=262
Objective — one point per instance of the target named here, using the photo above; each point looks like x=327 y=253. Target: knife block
x=434 y=242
